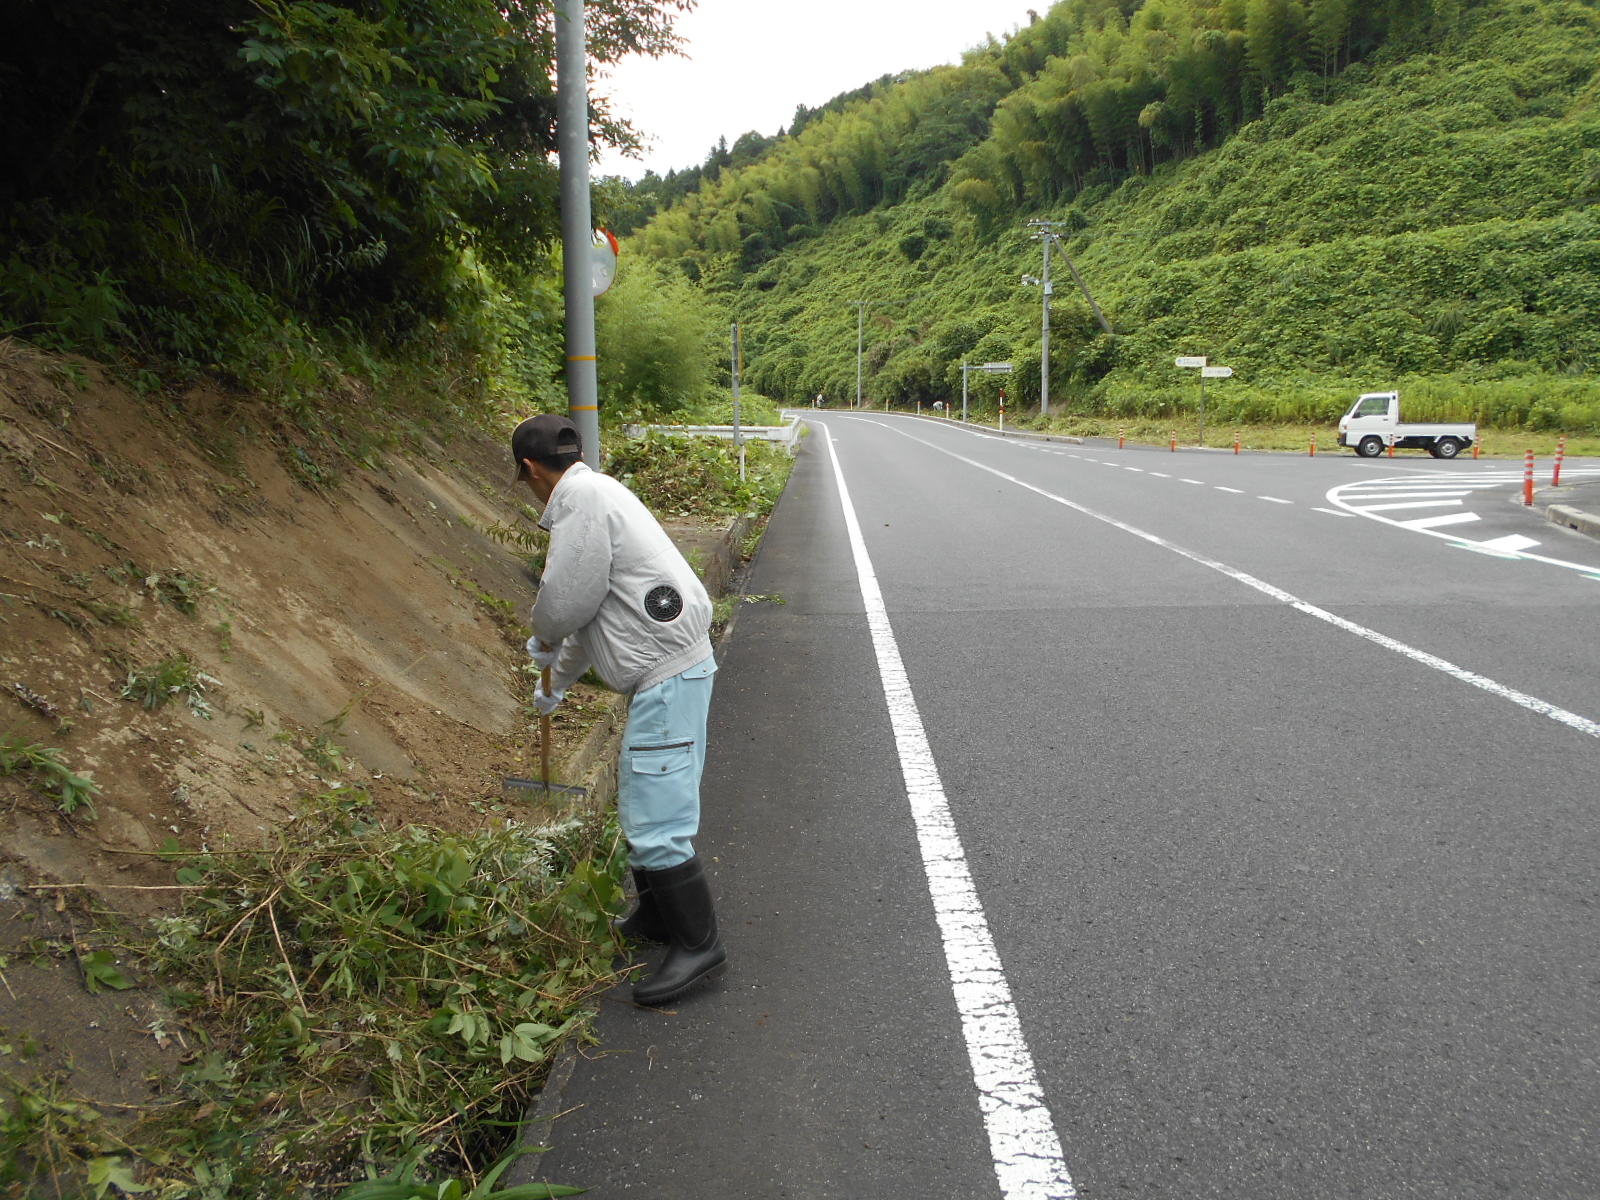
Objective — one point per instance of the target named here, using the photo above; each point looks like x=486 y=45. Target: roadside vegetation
x=1329 y=198
x=356 y=999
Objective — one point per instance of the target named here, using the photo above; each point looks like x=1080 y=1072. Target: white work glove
x=545 y=701
x=542 y=653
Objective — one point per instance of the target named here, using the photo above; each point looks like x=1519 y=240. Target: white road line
x=1460 y=518
x=1274 y=500
x=1235 y=491
x=1028 y=1161
x=1140 y=470
x=1351 y=498
x=1334 y=512
x=1512 y=541
x=1196 y=482
x=1161 y=475
x=1532 y=703
x=1413 y=494
x=1410 y=504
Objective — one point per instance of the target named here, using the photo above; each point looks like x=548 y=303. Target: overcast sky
x=750 y=62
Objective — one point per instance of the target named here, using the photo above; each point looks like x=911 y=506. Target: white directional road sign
x=1215 y=372
x=1190 y=361
x=996 y=366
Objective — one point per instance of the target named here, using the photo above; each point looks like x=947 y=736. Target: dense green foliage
x=660 y=339
x=1408 y=203
x=291 y=191
x=699 y=477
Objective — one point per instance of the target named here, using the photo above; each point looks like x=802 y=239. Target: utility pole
x=861 y=312
x=577 y=227
x=1046 y=233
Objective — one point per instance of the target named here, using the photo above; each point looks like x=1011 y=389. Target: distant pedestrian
x=817 y=403
x=618 y=596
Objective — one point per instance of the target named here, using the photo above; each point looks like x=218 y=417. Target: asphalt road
x=1277 y=805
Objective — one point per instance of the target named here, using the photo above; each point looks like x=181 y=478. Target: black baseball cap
x=545 y=436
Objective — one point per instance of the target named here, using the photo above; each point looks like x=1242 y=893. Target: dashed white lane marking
x=1196 y=482
x=1274 y=500
x=1334 y=512
x=1235 y=491
x=1022 y=1139
x=1161 y=475
x=1532 y=703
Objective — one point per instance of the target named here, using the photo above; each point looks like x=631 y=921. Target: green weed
x=377 y=1000
x=50 y=1139
x=699 y=477
x=171 y=678
x=71 y=790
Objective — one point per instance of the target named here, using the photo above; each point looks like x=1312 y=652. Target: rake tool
x=513 y=783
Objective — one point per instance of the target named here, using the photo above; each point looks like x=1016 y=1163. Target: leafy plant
x=100 y=971
x=71 y=790
x=395 y=993
x=405 y=1186
x=171 y=678
x=180 y=589
x=679 y=476
x=48 y=1136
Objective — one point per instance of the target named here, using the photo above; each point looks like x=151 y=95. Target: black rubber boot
x=644 y=923
x=683 y=901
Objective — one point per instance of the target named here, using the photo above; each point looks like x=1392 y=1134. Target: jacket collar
x=560 y=493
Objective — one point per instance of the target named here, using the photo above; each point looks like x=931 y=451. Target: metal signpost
x=989 y=368
x=738 y=367
x=1205 y=374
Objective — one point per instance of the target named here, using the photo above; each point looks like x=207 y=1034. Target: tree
x=1328 y=25
x=657 y=339
x=237 y=164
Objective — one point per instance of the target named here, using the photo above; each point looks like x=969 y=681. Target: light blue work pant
x=663 y=756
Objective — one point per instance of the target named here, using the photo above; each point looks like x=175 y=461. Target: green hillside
x=1409 y=203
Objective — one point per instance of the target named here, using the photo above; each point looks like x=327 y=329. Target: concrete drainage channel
x=594 y=767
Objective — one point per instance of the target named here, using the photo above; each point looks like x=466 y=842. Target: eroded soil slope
x=363 y=634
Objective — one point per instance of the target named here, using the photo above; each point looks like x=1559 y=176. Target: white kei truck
x=1373 y=424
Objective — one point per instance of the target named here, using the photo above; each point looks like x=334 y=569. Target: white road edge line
x=1028 y=1161
x=1532 y=703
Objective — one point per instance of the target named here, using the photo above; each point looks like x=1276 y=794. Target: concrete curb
x=1573 y=518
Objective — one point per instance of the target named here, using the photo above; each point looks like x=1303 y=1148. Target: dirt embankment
x=363 y=635
x=188 y=624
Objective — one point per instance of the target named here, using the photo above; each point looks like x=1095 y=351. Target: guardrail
x=786 y=435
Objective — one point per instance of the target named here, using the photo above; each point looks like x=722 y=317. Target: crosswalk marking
x=1460 y=518
x=1410 y=504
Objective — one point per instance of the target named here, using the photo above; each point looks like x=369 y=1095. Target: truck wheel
x=1446 y=447
x=1369 y=447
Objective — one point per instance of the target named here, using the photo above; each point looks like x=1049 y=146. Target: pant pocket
x=661 y=760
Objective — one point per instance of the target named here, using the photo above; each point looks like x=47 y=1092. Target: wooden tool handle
x=544 y=735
